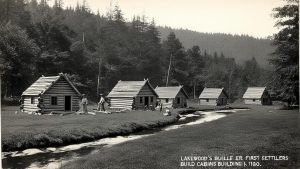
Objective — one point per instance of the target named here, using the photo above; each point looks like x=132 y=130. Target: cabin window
x=167 y=100
x=32 y=101
x=254 y=100
x=53 y=100
x=178 y=100
x=151 y=99
x=207 y=100
x=141 y=99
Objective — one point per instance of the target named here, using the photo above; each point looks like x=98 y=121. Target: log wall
x=61 y=89
x=165 y=104
x=211 y=102
x=28 y=107
x=146 y=91
x=121 y=103
x=220 y=101
x=251 y=101
x=215 y=102
x=182 y=102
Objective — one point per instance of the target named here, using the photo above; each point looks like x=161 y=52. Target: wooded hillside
x=240 y=47
x=98 y=49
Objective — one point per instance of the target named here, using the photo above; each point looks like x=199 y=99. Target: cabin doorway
x=147 y=101
x=265 y=101
x=67 y=103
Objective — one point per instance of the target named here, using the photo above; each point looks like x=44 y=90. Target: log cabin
x=132 y=95
x=172 y=96
x=213 y=97
x=51 y=94
x=257 y=95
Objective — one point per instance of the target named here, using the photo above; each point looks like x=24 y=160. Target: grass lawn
x=21 y=131
x=261 y=131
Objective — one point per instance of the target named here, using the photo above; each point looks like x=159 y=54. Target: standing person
x=160 y=106
x=101 y=104
x=84 y=103
x=21 y=104
x=40 y=103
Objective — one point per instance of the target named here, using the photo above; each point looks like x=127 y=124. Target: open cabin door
x=68 y=103
x=147 y=101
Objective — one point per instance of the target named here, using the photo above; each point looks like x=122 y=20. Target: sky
x=251 y=17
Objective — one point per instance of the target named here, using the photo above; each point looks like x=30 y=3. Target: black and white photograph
x=149 y=84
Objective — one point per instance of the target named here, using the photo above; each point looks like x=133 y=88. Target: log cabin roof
x=44 y=83
x=212 y=93
x=129 y=88
x=254 y=92
x=169 y=92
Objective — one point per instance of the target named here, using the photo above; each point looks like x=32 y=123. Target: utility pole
x=99 y=75
x=169 y=70
x=100 y=53
x=229 y=80
x=1 y=73
x=194 y=90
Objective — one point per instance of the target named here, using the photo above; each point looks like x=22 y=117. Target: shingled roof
x=44 y=83
x=129 y=88
x=211 y=93
x=169 y=92
x=254 y=92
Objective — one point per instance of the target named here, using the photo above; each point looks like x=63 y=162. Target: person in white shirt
x=101 y=103
x=84 y=103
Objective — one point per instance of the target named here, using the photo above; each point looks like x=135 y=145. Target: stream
x=52 y=158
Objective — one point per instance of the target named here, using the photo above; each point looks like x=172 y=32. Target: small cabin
x=173 y=96
x=213 y=97
x=257 y=95
x=51 y=94
x=132 y=95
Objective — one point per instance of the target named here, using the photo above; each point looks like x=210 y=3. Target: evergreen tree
x=251 y=73
x=19 y=54
x=97 y=51
x=177 y=58
x=286 y=55
x=196 y=69
x=14 y=11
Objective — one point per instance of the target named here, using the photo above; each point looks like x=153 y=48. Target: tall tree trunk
x=99 y=76
x=195 y=89
x=229 y=85
x=169 y=70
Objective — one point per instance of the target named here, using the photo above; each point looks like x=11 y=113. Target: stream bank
x=55 y=157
